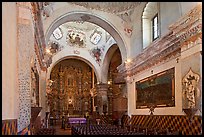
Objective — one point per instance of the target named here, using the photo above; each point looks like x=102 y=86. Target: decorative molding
x=183 y=32
x=39 y=34
x=192 y=18
x=164 y=49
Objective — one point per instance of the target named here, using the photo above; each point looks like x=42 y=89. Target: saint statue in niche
x=190 y=82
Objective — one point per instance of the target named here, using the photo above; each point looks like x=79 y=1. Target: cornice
x=185 y=30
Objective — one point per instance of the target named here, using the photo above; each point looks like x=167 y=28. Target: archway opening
x=87 y=17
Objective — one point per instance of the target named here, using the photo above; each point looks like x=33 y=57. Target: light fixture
x=128 y=61
x=109 y=82
x=48 y=50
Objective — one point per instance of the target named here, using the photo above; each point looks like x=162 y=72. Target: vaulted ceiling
x=111 y=7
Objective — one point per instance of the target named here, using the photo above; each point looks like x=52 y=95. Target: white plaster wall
x=136 y=38
x=9 y=61
x=169 y=13
x=177 y=110
x=187 y=6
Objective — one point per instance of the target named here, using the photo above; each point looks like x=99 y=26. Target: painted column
x=25 y=51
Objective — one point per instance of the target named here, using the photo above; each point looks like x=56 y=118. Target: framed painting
x=157 y=90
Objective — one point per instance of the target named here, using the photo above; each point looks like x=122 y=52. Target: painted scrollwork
x=127 y=23
x=97 y=53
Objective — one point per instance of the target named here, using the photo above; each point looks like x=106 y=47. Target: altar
x=76 y=120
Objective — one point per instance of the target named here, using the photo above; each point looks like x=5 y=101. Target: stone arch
x=73 y=57
x=92 y=18
x=106 y=62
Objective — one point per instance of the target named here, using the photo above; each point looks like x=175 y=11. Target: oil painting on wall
x=157 y=90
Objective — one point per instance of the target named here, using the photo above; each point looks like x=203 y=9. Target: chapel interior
x=102 y=68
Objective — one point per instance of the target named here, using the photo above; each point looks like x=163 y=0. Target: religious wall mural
x=76 y=38
x=97 y=53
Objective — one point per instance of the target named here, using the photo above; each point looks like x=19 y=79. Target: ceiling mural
x=111 y=7
x=80 y=25
x=95 y=37
x=97 y=53
x=76 y=38
x=57 y=33
x=82 y=36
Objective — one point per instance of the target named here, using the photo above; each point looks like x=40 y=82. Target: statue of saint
x=191 y=90
x=190 y=95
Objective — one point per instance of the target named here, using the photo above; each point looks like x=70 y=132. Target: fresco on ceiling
x=57 y=33
x=76 y=38
x=97 y=53
x=96 y=37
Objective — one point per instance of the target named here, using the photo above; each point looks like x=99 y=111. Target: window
x=155 y=32
x=150 y=23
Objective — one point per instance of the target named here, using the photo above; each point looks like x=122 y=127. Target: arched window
x=150 y=23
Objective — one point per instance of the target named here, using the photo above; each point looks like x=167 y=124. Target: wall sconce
x=127 y=61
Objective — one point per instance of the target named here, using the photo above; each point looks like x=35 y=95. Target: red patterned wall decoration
x=9 y=127
x=25 y=131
